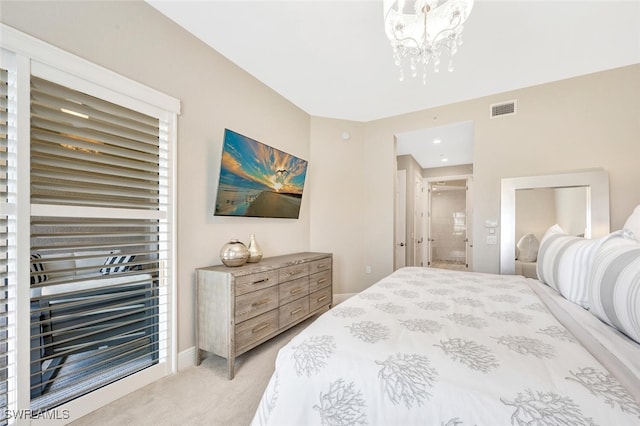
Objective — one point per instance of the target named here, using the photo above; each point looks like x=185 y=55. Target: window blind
x=90 y=152
x=99 y=265
x=7 y=236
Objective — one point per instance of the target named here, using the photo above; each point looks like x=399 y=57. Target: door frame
x=400 y=220
x=469 y=216
x=417 y=236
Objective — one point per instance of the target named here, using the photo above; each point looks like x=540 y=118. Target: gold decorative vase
x=255 y=252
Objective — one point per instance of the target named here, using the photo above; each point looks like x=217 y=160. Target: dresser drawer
x=320 y=265
x=253 y=282
x=291 y=312
x=320 y=298
x=292 y=290
x=255 y=329
x=292 y=272
x=319 y=280
x=255 y=303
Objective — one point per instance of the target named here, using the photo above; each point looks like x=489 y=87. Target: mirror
x=566 y=191
x=539 y=208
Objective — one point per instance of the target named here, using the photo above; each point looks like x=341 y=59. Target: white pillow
x=614 y=293
x=564 y=263
x=527 y=248
x=633 y=223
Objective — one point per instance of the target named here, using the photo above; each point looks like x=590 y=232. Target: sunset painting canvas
x=257 y=180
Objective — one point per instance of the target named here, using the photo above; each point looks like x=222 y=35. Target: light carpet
x=200 y=395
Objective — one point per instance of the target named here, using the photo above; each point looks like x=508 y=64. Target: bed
x=435 y=347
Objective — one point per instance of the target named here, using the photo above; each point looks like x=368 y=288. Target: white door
x=418 y=221
x=430 y=240
x=400 y=251
x=469 y=229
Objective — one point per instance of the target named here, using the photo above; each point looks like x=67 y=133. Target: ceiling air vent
x=503 y=108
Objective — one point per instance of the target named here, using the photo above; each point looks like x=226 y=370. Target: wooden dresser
x=239 y=308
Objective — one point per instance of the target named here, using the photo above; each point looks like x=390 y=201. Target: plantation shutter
x=7 y=235
x=99 y=242
x=89 y=152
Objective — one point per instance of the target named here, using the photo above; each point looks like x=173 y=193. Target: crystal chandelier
x=420 y=30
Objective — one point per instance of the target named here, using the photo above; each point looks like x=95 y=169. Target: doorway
x=424 y=156
x=449 y=244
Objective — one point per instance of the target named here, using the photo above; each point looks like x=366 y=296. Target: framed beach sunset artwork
x=257 y=180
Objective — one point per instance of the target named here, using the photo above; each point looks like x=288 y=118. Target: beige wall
x=337 y=197
x=586 y=122
x=347 y=208
x=133 y=39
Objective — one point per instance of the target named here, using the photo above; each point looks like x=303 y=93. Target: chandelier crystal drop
x=420 y=30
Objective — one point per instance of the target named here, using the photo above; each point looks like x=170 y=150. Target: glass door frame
x=428 y=182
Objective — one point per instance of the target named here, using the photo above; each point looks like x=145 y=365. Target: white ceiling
x=332 y=58
x=438 y=146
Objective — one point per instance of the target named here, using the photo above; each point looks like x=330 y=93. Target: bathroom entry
x=449 y=224
x=428 y=155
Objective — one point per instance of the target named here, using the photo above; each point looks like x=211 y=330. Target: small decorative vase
x=255 y=252
x=234 y=253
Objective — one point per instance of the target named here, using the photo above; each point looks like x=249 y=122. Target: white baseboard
x=339 y=298
x=187 y=358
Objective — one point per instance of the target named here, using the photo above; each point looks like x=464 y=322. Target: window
x=97 y=305
x=7 y=236
x=95 y=262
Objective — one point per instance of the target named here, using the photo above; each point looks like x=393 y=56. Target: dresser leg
x=230 y=367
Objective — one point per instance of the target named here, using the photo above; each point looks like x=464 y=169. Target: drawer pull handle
x=320 y=265
x=320 y=299
x=295 y=290
x=260 y=327
x=296 y=272
x=259 y=303
x=297 y=311
x=322 y=280
x=264 y=280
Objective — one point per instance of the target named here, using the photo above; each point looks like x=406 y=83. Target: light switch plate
x=492 y=239
x=490 y=223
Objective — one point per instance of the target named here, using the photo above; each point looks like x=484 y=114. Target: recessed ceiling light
x=437 y=141
x=444 y=159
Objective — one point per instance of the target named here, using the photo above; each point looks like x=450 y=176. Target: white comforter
x=434 y=347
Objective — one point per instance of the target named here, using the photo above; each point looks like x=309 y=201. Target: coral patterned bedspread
x=434 y=347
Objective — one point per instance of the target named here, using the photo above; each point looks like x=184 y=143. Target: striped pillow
x=615 y=285
x=564 y=264
x=117 y=264
x=37 y=269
